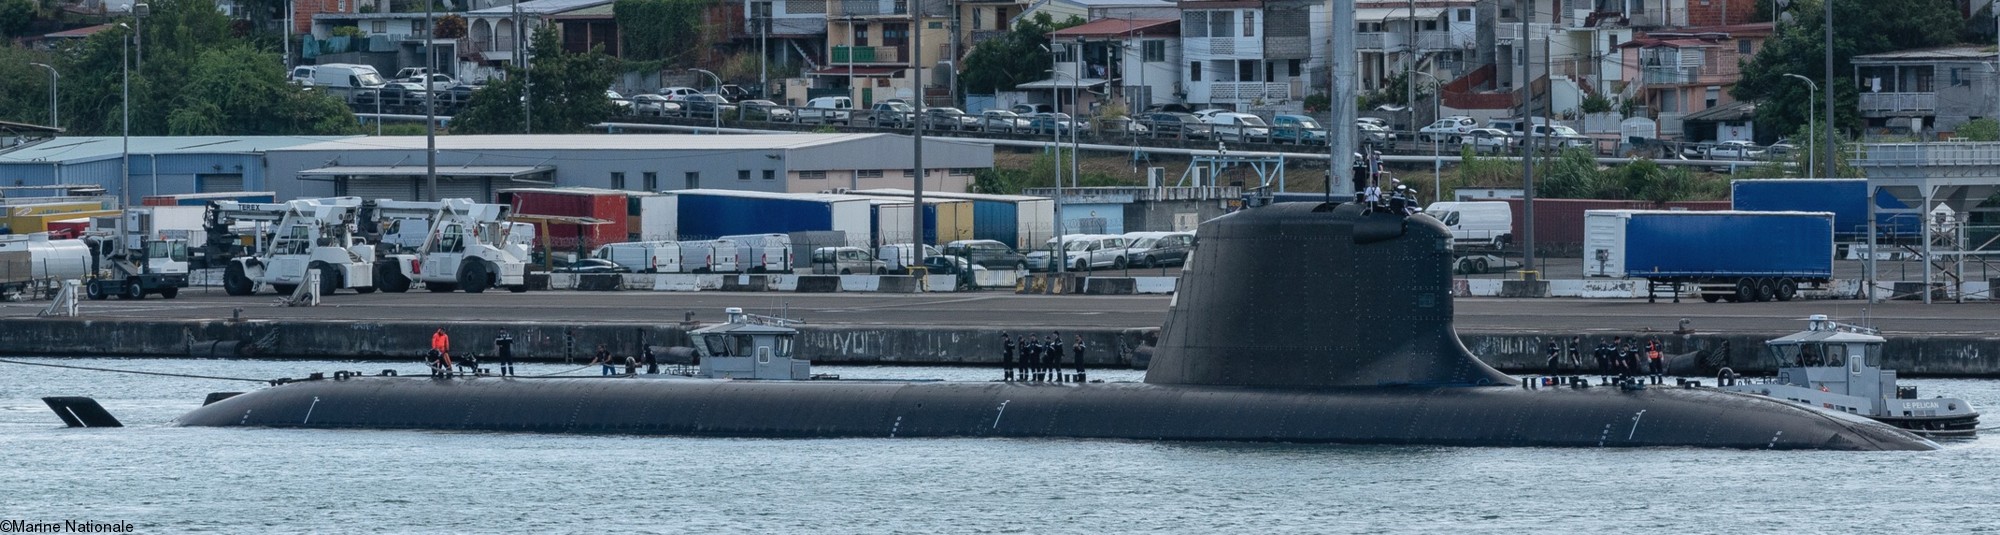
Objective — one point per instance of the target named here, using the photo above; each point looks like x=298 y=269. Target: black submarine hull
x=1448 y=416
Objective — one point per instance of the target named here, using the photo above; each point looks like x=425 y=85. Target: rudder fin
x=79 y=411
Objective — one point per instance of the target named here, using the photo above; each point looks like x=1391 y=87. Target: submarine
x=1357 y=349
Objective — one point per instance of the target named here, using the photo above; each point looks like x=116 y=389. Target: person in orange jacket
x=441 y=343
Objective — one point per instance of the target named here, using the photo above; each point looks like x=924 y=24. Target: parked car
x=947 y=118
x=1051 y=123
x=642 y=257
x=593 y=265
x=654 y=105
x=1031 y=109
x=1446 y=130
x=1735 y=150
x=846 y=261
x=1177 y=125
x=891 y=114
x=678 y=92
x=1374 y=134
x=302 y=75
x=1488 y=140
x=989 y=253
x=733 y=91
x=1150 y=249
x=1298 y=129
x=899 y=256
x=1377 y=121
x=765 y=110
x=706 y=105
x=950 y=265
x=1564 y=137
x=624 y=104
x=827 y=110
x=1002 y=121
x=1082 y=252
x=1233 y=126
x=1205 y=113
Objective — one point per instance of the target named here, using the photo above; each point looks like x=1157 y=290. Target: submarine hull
x=1448 y=416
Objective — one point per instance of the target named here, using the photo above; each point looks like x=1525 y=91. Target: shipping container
x=655 y=217
x=202 y=199
x=1733 y=255
x=1559 y=222
x=1020 y=221
x=606 y=205
x=32 y=224
x=706 y=214
x=1846 y=198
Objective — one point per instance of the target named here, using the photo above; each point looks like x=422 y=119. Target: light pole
x=1059 y=256
x=1812 y=122
x=55 y=121
x=716 y=107
x=125 y=126
x=1437 y=156
x=139 y=12
x=1076 y=115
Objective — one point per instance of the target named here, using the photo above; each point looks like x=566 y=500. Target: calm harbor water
x=173 y=480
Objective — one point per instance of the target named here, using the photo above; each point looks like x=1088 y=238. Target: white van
x=709 y=256
x=828 y=110
x=1478 y=224
x=1232 y=126
x=345 y=79
x=643 y=256
x=763 y=253
x=303 y=75
x=900 y=256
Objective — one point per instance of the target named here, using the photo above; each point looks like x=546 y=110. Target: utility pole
x=1410 y=69
x=764 y=51
x=1831 y=150
x=1527 y=160
x=1076 y=115
x=954 y=53
x=520 y=58
x=1341 y=63
x=430 y=109
x=917 y=134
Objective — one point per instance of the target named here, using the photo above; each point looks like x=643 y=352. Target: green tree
x=568 y=93
x=1986 y=129
x=15 y=16
x=1573 y=175
x=669 y=32
x=24 y=88
x=1000 y=63
x=1865 y=27
x=236 y=90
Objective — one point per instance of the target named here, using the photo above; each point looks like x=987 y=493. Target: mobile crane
x=468 y=247
x=304 y=235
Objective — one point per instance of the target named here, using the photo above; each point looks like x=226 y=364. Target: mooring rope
x=115 y=370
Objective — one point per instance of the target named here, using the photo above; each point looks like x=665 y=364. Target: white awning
x=498 y=55
x=1061 y=84
x=1379 y=14
x=525 y=173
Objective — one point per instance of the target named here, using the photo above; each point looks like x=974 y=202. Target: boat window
x=764 y=355
x=1836 y=355
x=1787 y=355
x=743 y=345
x=717 y=345
x=783 y=347
x=1875 y=355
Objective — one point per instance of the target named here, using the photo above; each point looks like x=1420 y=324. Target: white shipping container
x=1604 y=243
x=659 y=217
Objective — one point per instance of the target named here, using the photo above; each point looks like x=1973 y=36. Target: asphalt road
x=1006 y=309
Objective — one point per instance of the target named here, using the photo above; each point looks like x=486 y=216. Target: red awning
x=858 y=71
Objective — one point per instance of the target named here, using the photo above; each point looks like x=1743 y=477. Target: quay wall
x=1949 y=356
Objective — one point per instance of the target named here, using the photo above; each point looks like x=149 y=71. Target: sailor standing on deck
x=441 y=343
x=604 y=358
x=1031 y=358
x=1603 y=355
x=652 y=361
x=1658 y=365
x=1555 y=355
x=1054 y=361
x=1079 y=359
x=1576 y=352
x=1007 y=356
x=503 y=349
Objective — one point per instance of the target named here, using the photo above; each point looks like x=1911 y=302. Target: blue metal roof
x=74 y=150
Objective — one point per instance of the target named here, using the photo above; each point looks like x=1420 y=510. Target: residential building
x=1677 y=72
x=1139 y=60
x=1243 y=54
x=490 y=32
x=589 y=28
x=1394 y=35
x=870 y=52
x=792 y=30
x=1934 y=89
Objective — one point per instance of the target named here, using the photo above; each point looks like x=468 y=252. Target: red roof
x=78 y=33
x=1121 y=27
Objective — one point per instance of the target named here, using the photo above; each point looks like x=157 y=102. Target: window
x=812 y=175
x=693 y=180
x=1155 y=50
x=1293 y=69
x=1194 y=71
x=1958 y=76
x=868 y=173
x=417 y=27
x=909 y=173
x=1249 y=24
x=742 y=174
x=1194 y=24
x=861 y=35
x=652 y=180
x=1246 y=71
x=1220 y=24
x=380 y=26
x=770 y=175
x=962 y=171
x=1714 y=94
x=1508 y=12
x=1743 y=47
x=1062 y=52
x=895 y=34
x=1430 y=25
x=1465 y=15
x=617 y=180
x=977 y=22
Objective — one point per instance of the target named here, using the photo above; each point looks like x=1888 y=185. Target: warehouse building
x=161 y=165
x=479 y=166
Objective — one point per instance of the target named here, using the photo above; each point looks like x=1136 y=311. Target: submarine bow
x=1294 y=323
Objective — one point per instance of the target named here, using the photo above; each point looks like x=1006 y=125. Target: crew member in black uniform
x=1007 y=356
x=1576 y=352
x=1603 y=355
x=1079 y=359
x=652 y=361
x=1054 y=361
x=1031 y=353
x=503 y=349
x=1555 y=355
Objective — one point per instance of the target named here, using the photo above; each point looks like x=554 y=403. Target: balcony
x=843 y=55
x=1507 y=33
x=1379 y=42
x=1671 y=75
x=1248 y=91
x=1898 y=103
x=866 y=8
x=1435 y=41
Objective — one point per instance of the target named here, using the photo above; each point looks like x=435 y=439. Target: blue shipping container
x=708 y=216
x=1846 y=198
x=1704 y=244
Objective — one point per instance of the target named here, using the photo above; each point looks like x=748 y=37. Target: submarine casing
x=1360 y=351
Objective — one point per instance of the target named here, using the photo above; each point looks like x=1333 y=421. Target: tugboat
x=1838 y=367
x=749 y=346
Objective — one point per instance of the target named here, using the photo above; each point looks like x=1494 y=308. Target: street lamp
x=1437 y=157
x=1812 y=122
x=125 y=124
x=1059 y=256
x=54 y=120
x=715 y=108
